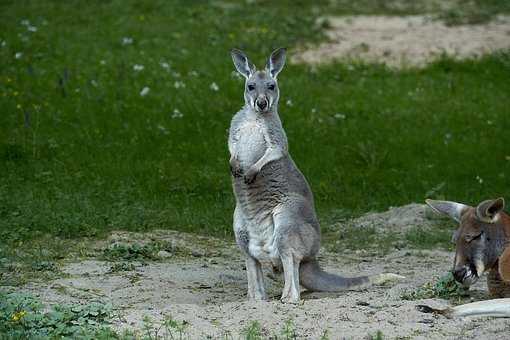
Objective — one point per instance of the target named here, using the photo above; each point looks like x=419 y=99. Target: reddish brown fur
x=498 y=278
x=504 y=264
x=471 y=226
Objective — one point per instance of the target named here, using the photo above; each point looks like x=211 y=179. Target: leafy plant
x=253 y=331
x=289 y=330
x=446 y=288
x=22 y=316
x=137 y=252
x=378 y=336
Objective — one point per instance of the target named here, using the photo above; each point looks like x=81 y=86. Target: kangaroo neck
x=267 y=115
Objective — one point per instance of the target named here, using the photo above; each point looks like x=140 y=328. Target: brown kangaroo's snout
x=459 y=274
x=466 y=274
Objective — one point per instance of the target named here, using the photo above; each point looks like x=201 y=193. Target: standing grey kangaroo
x=274 y=217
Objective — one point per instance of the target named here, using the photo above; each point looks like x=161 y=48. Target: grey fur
x=274 y=218
x=452 y=209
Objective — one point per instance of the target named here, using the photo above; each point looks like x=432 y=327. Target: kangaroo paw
x=235 y=168
x=290 y=299
x=250 y=175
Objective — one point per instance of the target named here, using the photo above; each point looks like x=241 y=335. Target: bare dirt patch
x=405 y=40
x=202 y=280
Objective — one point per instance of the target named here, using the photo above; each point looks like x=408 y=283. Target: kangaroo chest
x=249 y=143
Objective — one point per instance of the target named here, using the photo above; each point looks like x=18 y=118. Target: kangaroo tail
x=313 y=278
x=499 y=308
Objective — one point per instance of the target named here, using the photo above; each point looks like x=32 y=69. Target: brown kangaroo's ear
x=452 y=209
x=487 y=210
x=504 y=264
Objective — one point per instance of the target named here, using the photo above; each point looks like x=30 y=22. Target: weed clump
x=446 y=288
x=23 y=317
x=138 y=252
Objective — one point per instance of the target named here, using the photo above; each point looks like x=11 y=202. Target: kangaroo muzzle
x=261 y=104
x=466 y=275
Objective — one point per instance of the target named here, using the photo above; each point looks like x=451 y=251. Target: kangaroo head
x=480 y=238
x=261 y=88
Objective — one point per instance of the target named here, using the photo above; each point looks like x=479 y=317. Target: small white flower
x=339 y=116
x=77 y=90
x=31 y=28
x=193 y=73
x=163 y=129
x=127 y=41
x=25 y=22
x=177 y=114
x=94 y=83
x=164 y=65
x=289 y=102
x=447 y=138
x=18 y=55
x=138 y=68
x=479 y=179
x=178 y=84
x=314 y=110
x=490 y=122
x=214 y=87
x=102 y=62
x=3 y=43
x=144 y=91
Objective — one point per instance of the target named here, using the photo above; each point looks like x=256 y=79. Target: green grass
x=81 y=152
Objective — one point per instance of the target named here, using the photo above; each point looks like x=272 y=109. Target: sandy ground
x=405 y=40
x=207 y=288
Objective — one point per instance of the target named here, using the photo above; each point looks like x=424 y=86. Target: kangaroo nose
x=459 y=274
x=261 y=103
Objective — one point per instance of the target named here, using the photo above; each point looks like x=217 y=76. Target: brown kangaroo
x=482 y=245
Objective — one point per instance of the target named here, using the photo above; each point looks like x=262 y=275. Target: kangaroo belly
x=262 y=241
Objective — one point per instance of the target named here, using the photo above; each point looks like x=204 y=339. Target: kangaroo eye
x=271 y=87
x=251 y=87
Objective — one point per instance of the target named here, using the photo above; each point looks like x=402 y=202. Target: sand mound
x=400 y=219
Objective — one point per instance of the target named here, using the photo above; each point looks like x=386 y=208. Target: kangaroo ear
x=242 y=63
x=452 y=209
x=487 y=210
x=276 y=61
